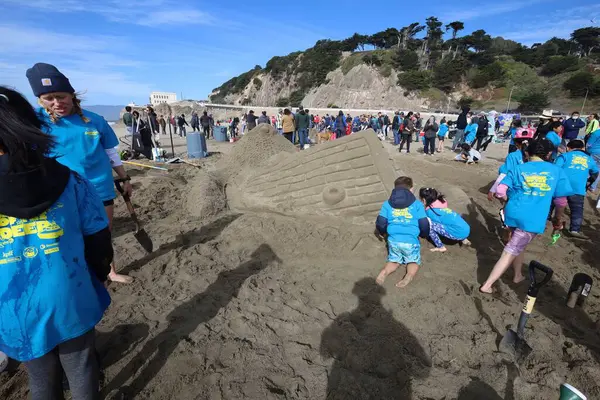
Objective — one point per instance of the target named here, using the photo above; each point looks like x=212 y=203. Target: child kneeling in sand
x=442 y=220
x=468 y=154
x=402 y=219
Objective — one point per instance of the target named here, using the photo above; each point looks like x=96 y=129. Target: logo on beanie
x=46 y=82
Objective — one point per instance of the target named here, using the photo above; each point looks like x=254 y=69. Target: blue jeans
x=396 y=136
x=596 y=158
x=576 y=203
x=303 y=137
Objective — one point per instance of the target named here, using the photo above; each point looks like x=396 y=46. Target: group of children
x=533 y=182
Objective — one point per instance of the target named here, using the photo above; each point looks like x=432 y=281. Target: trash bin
x=196 y=145
x=220 y=133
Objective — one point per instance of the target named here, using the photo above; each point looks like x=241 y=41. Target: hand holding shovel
x=140 y=234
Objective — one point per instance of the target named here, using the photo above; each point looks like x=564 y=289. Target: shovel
x=140 y=234
x=514 y=342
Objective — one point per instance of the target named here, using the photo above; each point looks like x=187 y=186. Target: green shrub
x=415 y=80
x=559 y=64
x=282 y=102
x=296 y=98
x=448 y=73
x=533 y=102
x=332 y=105
x=257 y=82
x=406 y=60
x=350 y=62
x=580 y=83
x=465 y=101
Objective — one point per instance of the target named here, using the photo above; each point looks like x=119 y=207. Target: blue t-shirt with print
x=577 y=166
x=454 y=224
x=403 y=223
x=48 y=295
x=81 y=147
x=513 y=159
x=471 y=132
x=443 y=130
x=531 y=188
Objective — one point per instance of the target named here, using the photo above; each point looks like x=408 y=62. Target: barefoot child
x=442 y=220
x=581 y=170
x=442 y=133
x=531 y=188
x=402 y=218
x=521 y=140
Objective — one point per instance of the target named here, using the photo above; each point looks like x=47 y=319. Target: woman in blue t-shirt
x=56 y=252
x=84 y=141
x=531 y=189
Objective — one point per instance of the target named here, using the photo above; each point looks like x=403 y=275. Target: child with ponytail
x=529 y=189
x=442 y=220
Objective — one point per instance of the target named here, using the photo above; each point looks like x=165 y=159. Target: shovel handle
x=119 y=187
x=127 y=200
x=535 y=286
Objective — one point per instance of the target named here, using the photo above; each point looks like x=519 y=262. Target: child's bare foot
x=381 y=278
x=405 y=281
x=518 y=279
x=466 y=242
x=486 y=289
x=114 y=277
x=439 y=250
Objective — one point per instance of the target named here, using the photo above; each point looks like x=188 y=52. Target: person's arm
x=109 y=142
x=382 y=221
x=422 y=219
x=97 y=240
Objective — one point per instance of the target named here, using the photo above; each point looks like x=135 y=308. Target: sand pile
x=253 y=150
x=206 y=197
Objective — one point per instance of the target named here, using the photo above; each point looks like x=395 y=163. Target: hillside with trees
x=423 y=65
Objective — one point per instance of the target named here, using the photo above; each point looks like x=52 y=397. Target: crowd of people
x=57 y=203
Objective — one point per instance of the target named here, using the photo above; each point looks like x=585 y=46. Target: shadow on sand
x=183 y=321
x=376 y=357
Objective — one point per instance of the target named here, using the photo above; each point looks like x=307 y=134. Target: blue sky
x=117 y=51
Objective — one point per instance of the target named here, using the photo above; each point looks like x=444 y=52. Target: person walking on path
x=302 y=122
x=173 y=122
x=181 y=122
x=287 y=121
x=56 y=227
x=461 y=125
x=431 y=130
x=84 y=141
x=195 y=122
x=205 y=122
x=163 y=124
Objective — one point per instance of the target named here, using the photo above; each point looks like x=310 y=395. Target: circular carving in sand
x=333 y=195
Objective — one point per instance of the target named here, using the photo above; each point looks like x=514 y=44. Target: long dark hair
x=430 y=196
x=540 y=148
x=21 y=135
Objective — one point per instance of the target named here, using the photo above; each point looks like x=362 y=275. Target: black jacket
x=28 y=193
x=461 y=122
x=483 y=127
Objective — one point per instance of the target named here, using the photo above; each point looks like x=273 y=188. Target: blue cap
x=46 y=78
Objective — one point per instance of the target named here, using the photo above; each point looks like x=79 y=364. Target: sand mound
x=254 y=149
x=206 y=197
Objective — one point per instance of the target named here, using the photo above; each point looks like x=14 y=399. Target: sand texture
x=253 y=294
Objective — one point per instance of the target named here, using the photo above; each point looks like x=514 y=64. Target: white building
x=162 y=97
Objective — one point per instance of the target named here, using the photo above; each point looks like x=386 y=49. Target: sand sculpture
x=349 y=177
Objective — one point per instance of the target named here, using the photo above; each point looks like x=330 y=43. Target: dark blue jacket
x=572 y=127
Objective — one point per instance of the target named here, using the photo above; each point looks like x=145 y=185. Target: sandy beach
x=239 y=302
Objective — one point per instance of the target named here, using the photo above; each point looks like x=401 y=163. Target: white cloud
x=154 y=13
x=484 y=10
x=95 y=64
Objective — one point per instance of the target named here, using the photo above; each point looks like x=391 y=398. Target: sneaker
x=577 y=235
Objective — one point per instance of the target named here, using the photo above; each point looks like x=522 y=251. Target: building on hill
x=157 y=98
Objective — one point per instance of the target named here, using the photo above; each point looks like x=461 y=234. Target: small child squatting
x=402 y=220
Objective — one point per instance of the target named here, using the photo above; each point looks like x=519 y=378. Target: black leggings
x=206 y=131
x=288 y=136
x=479 y=141
x=406 y=138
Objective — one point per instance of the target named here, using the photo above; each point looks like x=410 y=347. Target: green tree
x=434 y=32
x=257 y=82
x=464 y=101
x=354 y=42
x=415 y=80
x=478 y=40
x=406 y=60
x=559 y=64
x=282 y=102
x=579 y=84
x=533 y=102
x=296 y=98
x=455 y=26
x=587 y=38
x=448 y=73
x=408 y=33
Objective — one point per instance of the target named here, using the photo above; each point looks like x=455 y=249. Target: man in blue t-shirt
x=581 y=170
x=402 y=219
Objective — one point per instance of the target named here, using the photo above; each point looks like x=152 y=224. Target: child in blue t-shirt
x=402 y=220
x=56 y=252
x=441 y=134
x=531 y=189
x=582 y=171
x=521 y=140
x=471 y=131
x=442 y=220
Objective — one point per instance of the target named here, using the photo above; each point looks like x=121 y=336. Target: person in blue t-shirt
x=531 y=189
x=55 y=255
x=402 y=220
x=581 y=170
x=554 y=138
x=442 y=220
x=471 y=131
x=441 y=134
x=84 y=141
